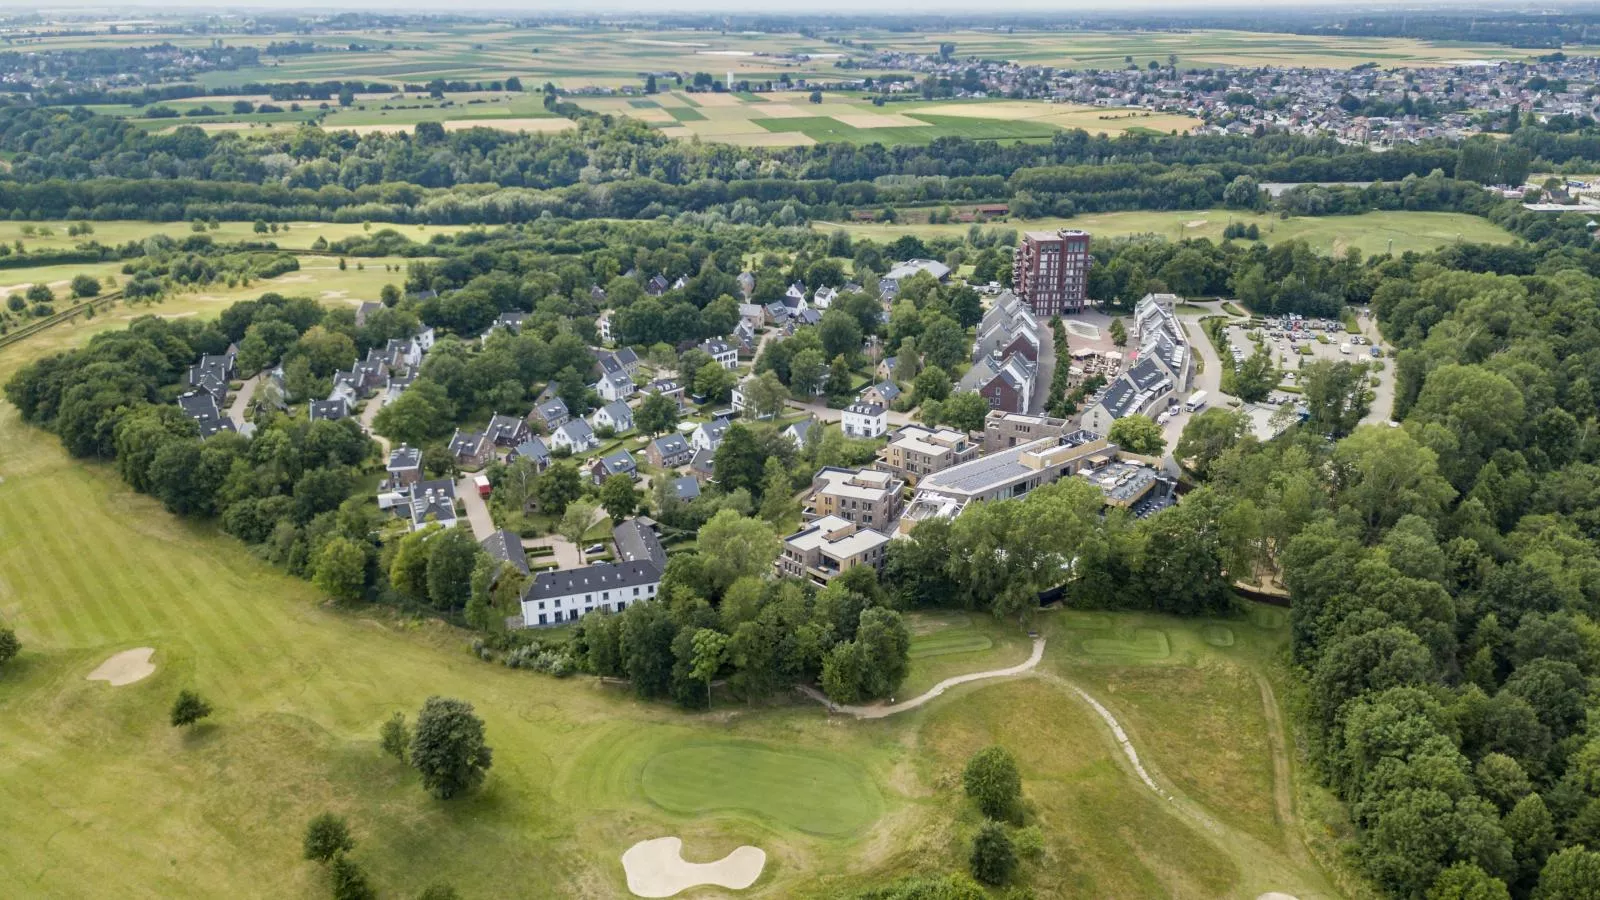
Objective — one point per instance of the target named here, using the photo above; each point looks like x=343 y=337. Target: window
x=544 y=619
x=636 y=592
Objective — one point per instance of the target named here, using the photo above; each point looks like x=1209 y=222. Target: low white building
x=563 y=596
x=865 y=420
x=575 y=436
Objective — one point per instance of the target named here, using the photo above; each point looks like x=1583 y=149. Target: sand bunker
x=1083 y=329
x=126 y=667
x=657 y=868
x=1274 y=895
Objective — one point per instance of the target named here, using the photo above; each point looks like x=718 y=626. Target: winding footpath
x=881 y=711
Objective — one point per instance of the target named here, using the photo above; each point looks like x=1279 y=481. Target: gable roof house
x=656 y=286
x=708 y=435
x=328 y=410
x=668 y=451
x=619 y=462
x=506 y=431
x=799 y=431
x=534 y=450
x=824 y=297
x=431 y=501
x=703 y=465
x=887 y=367
x=506 y=546
x=552 y=414
x=1006 y=384
x=564 y=595
x=1162 y=338
x=575 y=436
x=614 y=386
x=726 y=355
x=367 y=308
x=1144 y=389
x=615 y=416
x=509 y=321
x=883 y=393
x=620 y=360
x=889 y=284
x=637 y=542
x=666 y=387
x=686 y=488
x=744 y=335
x=470 y=449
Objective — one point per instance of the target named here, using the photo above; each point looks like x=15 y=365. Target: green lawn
x=814 y=793
x=290 y=235
x=944 y=644
x=686 y=114
x=1372 y=232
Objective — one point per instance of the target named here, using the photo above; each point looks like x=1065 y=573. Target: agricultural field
x=582 y=771
x=1109 y=49
x=289 y=236
x=790 y=119
x=1373 y=232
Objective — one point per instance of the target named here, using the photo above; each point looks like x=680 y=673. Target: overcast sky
x=997 y=7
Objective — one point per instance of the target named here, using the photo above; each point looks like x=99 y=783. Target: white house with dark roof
x=615 y=416
x=575 y=436
x=564 y=595
x=726 y=354
x=865 y=420
x=708 y=435
x=799 y=431
x=824 y=297
x=666 y=387
x=614 y=386
x=507 y=321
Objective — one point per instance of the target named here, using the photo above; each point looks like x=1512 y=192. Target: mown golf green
x=805 y=791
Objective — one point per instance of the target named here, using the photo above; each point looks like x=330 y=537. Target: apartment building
x=829 y=547
x=917 y=451
x=860 y=496
x=1005 y=475
x=1003 y=430
x=1050 y=271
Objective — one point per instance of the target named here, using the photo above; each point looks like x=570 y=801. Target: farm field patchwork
x=791 y=119
x=1371 y=232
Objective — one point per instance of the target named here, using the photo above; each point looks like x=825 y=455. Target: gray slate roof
x=563 y=583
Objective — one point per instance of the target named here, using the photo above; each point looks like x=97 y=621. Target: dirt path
x=1282 y=777
x=880 y=711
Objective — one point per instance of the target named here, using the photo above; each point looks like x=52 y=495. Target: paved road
x=241 y=400
x=1047 y=369
x=369 y=413
x=882 y=710
x=1383 y=395
x=477 y=510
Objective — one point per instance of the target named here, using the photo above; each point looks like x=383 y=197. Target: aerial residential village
x=849 y=515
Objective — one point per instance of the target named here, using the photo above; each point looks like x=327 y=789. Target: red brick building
x=1051 y=271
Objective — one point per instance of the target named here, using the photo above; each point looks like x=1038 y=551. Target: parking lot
x=1295 y=343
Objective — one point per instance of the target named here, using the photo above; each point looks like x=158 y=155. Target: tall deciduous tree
x=448 y=748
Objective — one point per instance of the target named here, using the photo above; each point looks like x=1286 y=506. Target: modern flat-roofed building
x=1006 y=475
x=1050 y=271
x=917 y=451
x=861 y=496
x=1003 y=430
x=828 y=547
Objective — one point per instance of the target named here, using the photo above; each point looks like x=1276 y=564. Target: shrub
x=189 y=708
x=994 y=859
x=327 y=836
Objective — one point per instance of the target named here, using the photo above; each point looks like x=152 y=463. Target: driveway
x=241 y=400
x=1383 y=395
x=477 y=509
